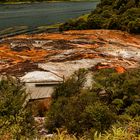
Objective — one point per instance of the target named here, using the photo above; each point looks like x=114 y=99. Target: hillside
x=92 y=78
x=110 y=58
x=110 y=14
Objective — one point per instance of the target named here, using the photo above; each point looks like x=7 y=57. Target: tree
x=120 y=91
x=111 y=14
x=114 y=97
x=16 y=121
x=76 y=109
x=134 y=26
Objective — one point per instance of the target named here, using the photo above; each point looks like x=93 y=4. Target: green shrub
x=134 y=26
x=95 y=22
x=71 y=86
x=120 y=90
x=76 y=109
x=113 y=98
x=110 y=14
x=79 y=114
x=16 y=120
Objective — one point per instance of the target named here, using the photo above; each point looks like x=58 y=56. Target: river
x=40 y=14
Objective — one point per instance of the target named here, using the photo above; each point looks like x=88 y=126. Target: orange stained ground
x=39 y=55
x=120 y=69
x=31 y=55
x=52 y=36
x=90 y=34
x=107 y=34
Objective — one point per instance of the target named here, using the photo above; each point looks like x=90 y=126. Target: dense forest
x=110 y=14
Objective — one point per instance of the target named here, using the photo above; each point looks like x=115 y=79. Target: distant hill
x=110 y=14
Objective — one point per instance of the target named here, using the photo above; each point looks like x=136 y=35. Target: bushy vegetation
x=110 y=14
x=114 y=100
x=109 y=110
x=130 y=131
x=16 y=121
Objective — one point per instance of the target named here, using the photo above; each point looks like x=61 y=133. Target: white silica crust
x=40 y=76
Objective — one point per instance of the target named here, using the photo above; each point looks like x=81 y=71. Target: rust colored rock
x=101 y=66
x=120 y=69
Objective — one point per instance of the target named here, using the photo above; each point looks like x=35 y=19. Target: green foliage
x=76 y=109
x=95 y=22
x=74 y=24
x=15 y=119
x=63 y=135
x=113 y=98
x=121 y=91
x=110 y=110
x=111 y=14
x=63 y=100
x=72 y=86
x=99 y=116
x=134 y=26
x=129 y=131
x=133 y=110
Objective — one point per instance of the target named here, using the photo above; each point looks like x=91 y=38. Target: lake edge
x=51 y=1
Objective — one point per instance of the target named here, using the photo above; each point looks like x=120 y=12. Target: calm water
x=38 y=14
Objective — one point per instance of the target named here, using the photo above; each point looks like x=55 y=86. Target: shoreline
x=26 y=30
x=29 y=2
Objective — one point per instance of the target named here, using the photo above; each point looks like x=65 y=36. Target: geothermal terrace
x=63 y=53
